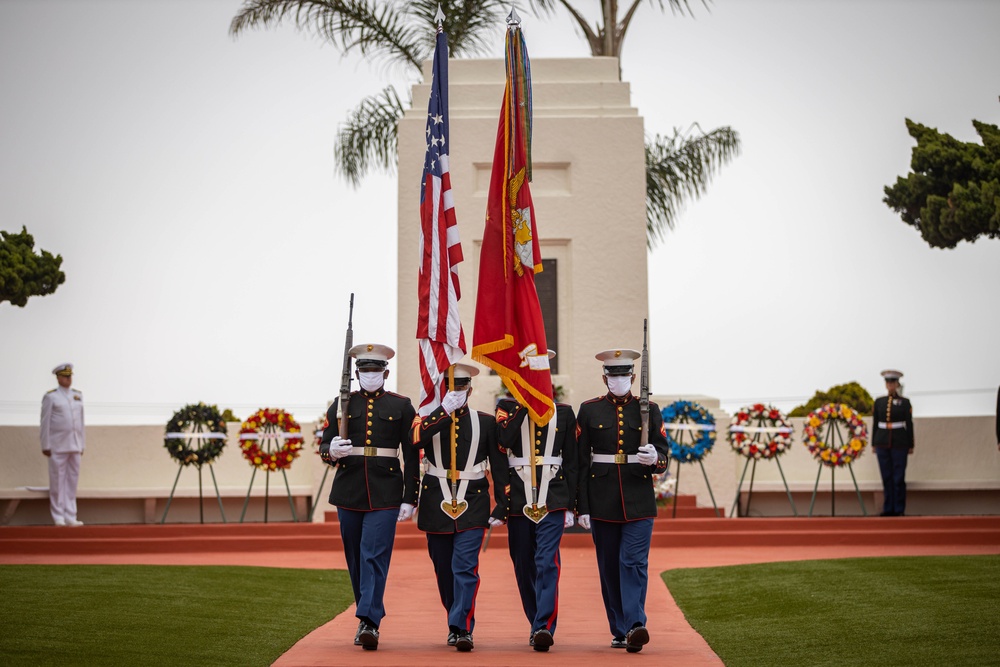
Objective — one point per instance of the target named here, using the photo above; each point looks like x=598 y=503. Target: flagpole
x=533 y=455
x=454 y=443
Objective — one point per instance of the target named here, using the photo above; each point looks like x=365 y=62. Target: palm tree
x=403 y=33
x=393 y=32
x=678 y=167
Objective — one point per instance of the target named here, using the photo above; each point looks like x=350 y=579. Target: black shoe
x=541 y=640
x=368 y=636
x=617 y=642
x=452 y=639
x=464 y=642
x=636 y=638
x=357 y=635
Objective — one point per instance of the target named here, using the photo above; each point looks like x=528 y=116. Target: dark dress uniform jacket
x=376 y=419
x=561 y=494
x=431 y=518
x=609 y=491
x=900 y=411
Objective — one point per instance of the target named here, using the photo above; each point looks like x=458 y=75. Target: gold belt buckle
x=621 y=458
x=371 y=451
x=458 y=475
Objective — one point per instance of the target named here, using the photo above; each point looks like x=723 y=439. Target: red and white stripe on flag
x=439 y=329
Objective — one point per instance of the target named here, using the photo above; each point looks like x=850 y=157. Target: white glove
x=584 y=521
x=452 y=401
x=647 y=455
x=405 y=512
x=339 y=448
x=568 y=521
x=495 y=522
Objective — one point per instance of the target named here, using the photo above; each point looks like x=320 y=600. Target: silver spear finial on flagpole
x=439 y=17
x=513 y=19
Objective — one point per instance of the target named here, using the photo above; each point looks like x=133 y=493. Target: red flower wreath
x=254 y=430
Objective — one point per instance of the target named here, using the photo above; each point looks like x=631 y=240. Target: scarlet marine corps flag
x=509 y=334
x=439 y=329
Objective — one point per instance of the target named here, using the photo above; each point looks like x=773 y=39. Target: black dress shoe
x=357 y=635
x=617 y=642
x=464 y=642
x=541 y=640
x=636 y=638
x=452 y=638
x=368 y=637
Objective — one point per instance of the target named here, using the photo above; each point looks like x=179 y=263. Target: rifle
x=644 y=389
x=345 y=378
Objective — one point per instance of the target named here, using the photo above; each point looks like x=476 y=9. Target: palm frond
x=680 y=168
x=377 y=30
x=367 y=141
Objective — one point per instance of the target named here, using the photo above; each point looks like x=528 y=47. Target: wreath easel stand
x=268 y=435
x=201 y=499
x=757 y=432
x=680 y=430
x=833 y=435
x=205 y=424
x=326 y=471
x=319 y=492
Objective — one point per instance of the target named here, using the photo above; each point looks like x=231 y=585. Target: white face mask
x=371 y=381
x=619 y=385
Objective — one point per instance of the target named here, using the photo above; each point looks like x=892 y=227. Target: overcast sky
x=187 y=180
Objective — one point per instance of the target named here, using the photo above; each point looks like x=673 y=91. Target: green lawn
x=858 y=611
x=149 y=615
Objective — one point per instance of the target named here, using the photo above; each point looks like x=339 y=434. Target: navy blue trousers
x=368 y=538
x=892 y=465
x=456 y=566
x=623 y=563
x=534 y=550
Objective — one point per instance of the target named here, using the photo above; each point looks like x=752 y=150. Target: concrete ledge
x=869 y=486
x=153 y=501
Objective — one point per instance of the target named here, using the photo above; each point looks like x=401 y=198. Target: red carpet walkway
x=414 y=631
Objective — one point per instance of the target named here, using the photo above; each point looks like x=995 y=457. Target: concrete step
x=667 y=532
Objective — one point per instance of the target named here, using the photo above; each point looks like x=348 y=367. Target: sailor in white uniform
x=63 y=442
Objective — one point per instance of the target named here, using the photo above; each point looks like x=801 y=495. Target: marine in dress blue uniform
x=615 y=494
x=371 y=489
x=455 y=527
x=63 y=441
x=892 y=438
x=535 y=524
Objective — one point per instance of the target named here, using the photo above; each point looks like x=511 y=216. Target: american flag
x=439 y=329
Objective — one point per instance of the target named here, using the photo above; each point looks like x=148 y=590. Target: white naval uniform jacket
x=62 y=421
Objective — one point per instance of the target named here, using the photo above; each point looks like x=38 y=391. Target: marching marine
x=540 y=504
x=455 y=498
x=616 y=498
x=371 y=490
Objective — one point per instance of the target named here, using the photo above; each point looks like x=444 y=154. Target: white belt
x=615 y=458
x=539 y=460
x=478 y=471
x=892 y=425
x=374 y=451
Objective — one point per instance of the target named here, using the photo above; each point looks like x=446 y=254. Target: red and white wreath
x=760 y=431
